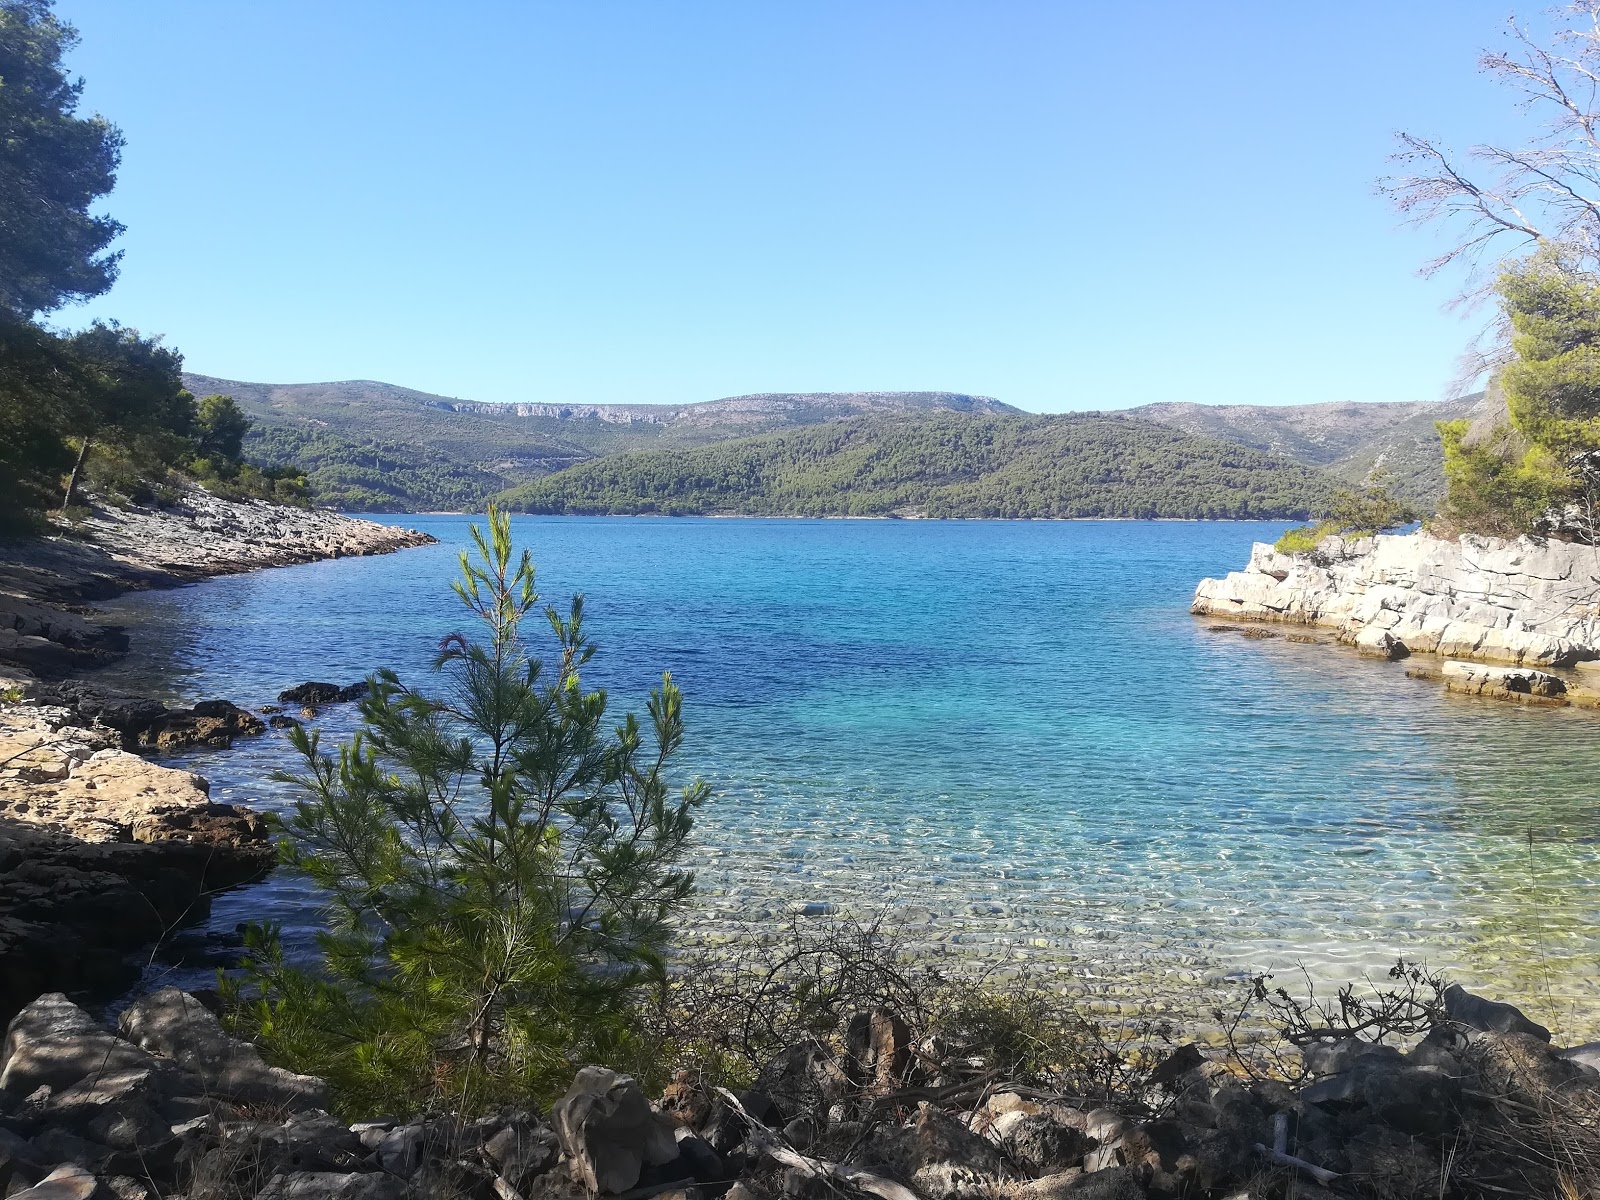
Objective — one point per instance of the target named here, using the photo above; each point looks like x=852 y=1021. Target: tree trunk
x=72 y=480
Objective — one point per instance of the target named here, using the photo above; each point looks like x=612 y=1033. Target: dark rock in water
x=1490 y=1016
x=280 y=721
x=210 y=723
x=323 y=693
x=310 y=693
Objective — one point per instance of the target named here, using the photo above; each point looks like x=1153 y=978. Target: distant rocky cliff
x=1521 y=602
x=762 y=408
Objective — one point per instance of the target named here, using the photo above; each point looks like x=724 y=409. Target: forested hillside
x=375 y=447
x=945 y=466
x=1350 y=441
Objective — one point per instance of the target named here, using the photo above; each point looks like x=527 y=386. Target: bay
x=1011 y=737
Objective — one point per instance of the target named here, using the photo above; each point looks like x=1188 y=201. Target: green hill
x=375 y=447
x=947 y=465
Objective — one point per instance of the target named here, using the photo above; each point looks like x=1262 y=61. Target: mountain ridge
x=374 y=446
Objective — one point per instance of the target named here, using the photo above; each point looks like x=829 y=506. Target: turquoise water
x=1010 y=736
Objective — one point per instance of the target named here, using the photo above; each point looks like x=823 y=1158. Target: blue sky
x=1063 y=205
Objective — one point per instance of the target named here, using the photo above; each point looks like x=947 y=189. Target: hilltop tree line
x=949 y=465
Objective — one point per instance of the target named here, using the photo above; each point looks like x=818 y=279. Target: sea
x=1008 y=741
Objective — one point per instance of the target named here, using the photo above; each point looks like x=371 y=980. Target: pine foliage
x=501 y=868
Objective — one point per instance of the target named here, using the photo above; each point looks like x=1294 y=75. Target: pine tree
x=500 y=867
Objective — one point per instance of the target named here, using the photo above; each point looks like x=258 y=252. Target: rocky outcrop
x=44 y=580
x=102 y=852
x=169 y=1105
x=1521 y=602
x=314 y=694
x=146 y=725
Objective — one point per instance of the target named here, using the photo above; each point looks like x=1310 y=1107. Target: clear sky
x=1064 y=205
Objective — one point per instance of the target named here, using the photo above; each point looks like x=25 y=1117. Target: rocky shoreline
x=103 y=853
x=1515 y=620
x=47 y=633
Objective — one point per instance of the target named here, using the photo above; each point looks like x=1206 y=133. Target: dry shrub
x=729 y=1011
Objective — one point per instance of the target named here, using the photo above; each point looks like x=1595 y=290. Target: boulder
x=1525 y=1067
x=1585 y=1056
x=609 y=1131
x=309 y=693
x=53 y=1043
x=176 y=1026
x=522 y=1151
x=69 y=1182
x=213 y=723
x=1335 y=1057
x=1113 y=1183
x=879 y=1048
x=940 y=1157
x=1040 y=1143
x=1489 y=1016
x=804 y=1078
x=1501 y=683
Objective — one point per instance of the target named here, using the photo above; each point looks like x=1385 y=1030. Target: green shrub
x=501 y=867
x=1303 y=539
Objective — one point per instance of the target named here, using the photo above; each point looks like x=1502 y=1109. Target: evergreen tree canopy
x=1536 y=467
x=53 y=166
x=500 y=866
x=220 y=426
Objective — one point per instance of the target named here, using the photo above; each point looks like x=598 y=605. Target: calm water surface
x=1012 y=735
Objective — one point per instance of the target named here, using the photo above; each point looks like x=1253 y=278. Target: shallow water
x=1010 y=734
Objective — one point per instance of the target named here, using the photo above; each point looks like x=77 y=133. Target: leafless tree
x=1498 y=199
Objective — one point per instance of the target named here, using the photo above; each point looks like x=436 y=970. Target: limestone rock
x=64 y=1183
x=940 y=1157
x=1502 y=683
x=1486 y=599
x=178 y=1027
x=609 y=1131
x=55 y=1044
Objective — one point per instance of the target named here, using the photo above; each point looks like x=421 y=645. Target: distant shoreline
x=368 y=516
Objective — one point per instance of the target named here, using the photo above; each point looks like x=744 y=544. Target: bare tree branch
x=1499 y=200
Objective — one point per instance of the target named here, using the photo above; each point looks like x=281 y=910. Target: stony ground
x=168 y=1105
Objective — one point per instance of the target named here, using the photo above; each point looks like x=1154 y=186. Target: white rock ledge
x=1520 y=602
